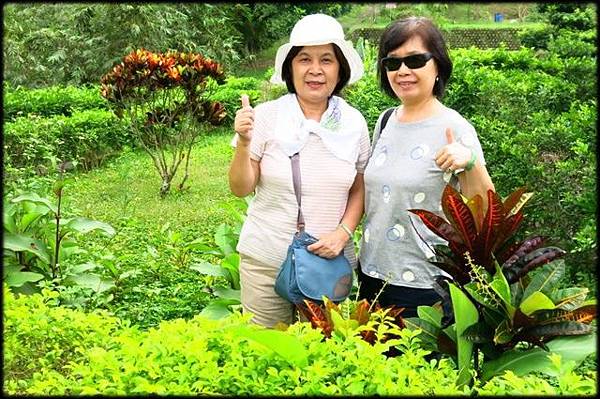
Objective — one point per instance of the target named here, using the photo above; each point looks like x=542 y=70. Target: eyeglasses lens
x=412 y=61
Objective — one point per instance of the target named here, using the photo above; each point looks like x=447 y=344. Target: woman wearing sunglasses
x=423 y=146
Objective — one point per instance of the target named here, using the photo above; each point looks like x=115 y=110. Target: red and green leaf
x=361 y=312
x=507 y=230
x=489 y=231
x=475 y=205
x=438 y=225
x=512 y=200
x=584 y=314
x=459 y=215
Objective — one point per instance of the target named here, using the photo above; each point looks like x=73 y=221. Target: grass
x=128 y=187
x=149 y=247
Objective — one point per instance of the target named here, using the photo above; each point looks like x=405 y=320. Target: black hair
x=398 y=32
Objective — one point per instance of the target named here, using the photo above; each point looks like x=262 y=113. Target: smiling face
x=412 y=85
x=315 y=73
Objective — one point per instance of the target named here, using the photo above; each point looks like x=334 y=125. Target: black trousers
x=405 y=297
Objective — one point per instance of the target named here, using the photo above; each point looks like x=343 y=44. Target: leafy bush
x=546 y=154
x=574 y=44
x=229 y=94
x=38 y=334
x=572 y=16
x=497 y=302
x=87 y=137
x=51 y=350
x=50 y=101
x=536 y=38
x=366 y=96
x=163 y=96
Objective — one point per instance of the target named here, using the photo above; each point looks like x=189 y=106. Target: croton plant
x=502 y=304
x=165 y=97
x=496 y=305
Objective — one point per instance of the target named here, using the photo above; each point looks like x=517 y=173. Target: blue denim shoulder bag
x=304 y=275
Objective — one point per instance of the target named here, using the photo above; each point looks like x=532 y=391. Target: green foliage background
x=535 y=111
x=49 y=44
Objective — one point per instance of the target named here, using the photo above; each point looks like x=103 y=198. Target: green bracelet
x=471 y=162
x=346 y=229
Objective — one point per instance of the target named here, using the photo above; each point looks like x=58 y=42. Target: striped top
x=326 y=181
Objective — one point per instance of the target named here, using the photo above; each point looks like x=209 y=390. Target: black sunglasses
x=412 y=61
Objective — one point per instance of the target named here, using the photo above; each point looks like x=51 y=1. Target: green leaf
x=503 y=333
x=218 y=309
x=18 y=278
x=84 y=225
x=430 y=314
x=18 y=243
x=345 y=327
x=84 y=267
x=209 y=269
x=522 y=362
x=91 y=281
x=285 y=345
x=478 y=333
x=37 y=200
x=569 y=298
x=534 y=302
x=475 y=292
x=232 y=264
x=31 y=216
x=546 y=279
x=228 y=293
x=225 y=239
x=8 y=218
x=428 y=329
x=501 y=287
x=465 y=315
x=429 y=333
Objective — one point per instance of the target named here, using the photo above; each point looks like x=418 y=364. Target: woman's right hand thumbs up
x=244 y=121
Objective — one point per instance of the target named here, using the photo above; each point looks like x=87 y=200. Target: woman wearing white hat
x=332 y=140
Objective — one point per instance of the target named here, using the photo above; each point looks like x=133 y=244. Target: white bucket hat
x=313 y=30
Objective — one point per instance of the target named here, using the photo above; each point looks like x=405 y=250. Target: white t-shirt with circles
x=401 y=175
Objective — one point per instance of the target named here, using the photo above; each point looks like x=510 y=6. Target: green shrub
x=537 y=37
x=574 y=44
x=552 y=155
x=54 y=100
x=52 y=351
x=87 y=137
x=366 y=96
x=40 y=335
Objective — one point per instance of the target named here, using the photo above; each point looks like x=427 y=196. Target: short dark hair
x=398 y=32
x=343 y=74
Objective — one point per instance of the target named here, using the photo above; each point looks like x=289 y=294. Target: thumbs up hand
x=453 y=155
x=244 y=121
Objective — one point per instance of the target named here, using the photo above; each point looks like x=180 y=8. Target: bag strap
x=384 y=121
x=297 y=189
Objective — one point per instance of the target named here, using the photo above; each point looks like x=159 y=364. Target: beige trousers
x=257 y=281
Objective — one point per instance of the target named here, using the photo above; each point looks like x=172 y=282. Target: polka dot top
x=401 y=175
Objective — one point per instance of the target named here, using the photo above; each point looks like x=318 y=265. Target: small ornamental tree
x=165 y=98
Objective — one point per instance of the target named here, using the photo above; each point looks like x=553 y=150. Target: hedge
x=50 y=101
x=87 y=137
x=51 y=350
